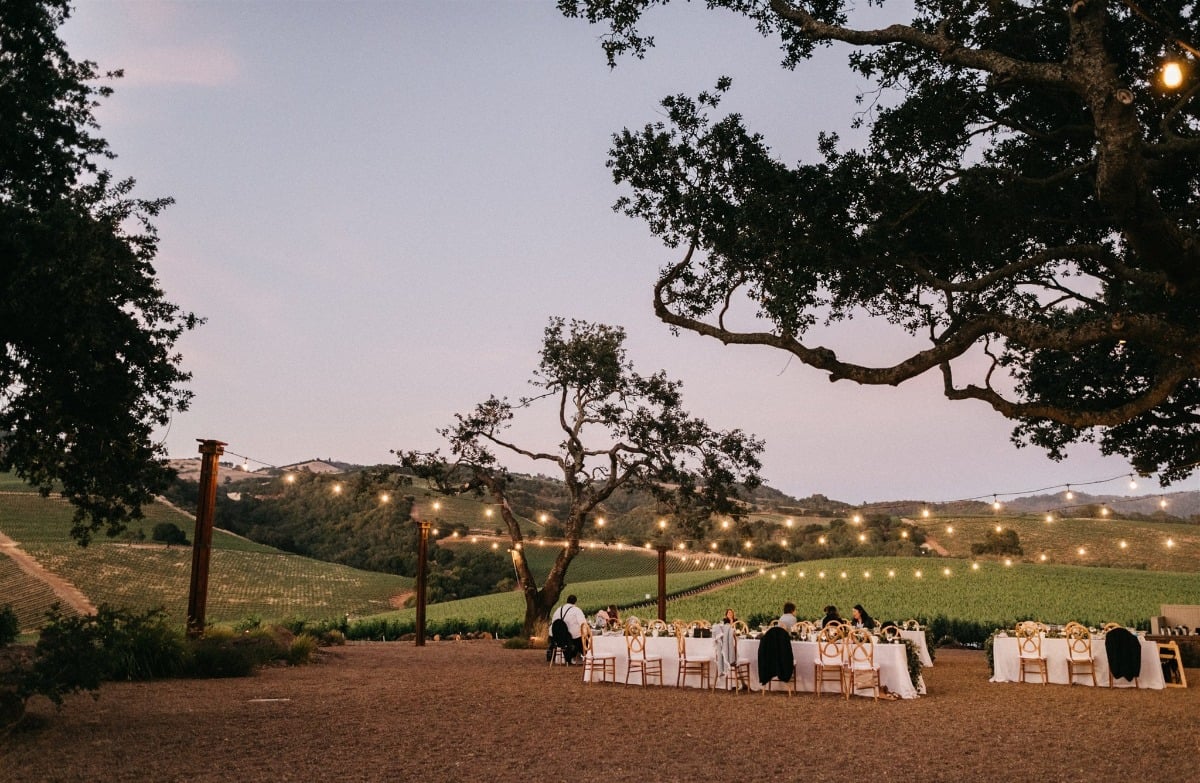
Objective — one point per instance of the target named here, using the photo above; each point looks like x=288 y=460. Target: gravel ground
x=475 y=711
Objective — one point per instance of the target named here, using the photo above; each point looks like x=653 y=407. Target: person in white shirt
x=574 y=618
x=788 y=618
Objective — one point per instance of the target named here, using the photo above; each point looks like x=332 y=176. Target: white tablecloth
x=1008 y=665
x=892 y=660
x=918 y=640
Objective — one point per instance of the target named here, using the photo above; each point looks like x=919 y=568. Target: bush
x=9 y=627
x=217 y=657
x=1006 y=542
x=169 y=533
x=516 y=643
x=302 y=650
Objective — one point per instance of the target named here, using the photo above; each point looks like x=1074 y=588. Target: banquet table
x=919 y=641
x=892 y=660
x=1008 y=665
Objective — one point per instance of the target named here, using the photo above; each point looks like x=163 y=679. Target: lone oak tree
x=621 y=431
x=1026 y=208
x=87 y=369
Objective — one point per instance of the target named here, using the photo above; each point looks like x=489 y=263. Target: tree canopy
x=620 y=431
x=88 y=368
x=1027 y=207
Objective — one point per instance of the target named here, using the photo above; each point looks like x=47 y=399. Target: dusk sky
x=379 y=205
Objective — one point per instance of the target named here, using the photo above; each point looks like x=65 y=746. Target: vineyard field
x=993 y=593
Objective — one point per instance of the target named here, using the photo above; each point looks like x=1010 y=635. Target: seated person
x=730 y=617
x=860 y=618
x=614 y=617
x=831 y=616
x=602 y=618
x=788 y=618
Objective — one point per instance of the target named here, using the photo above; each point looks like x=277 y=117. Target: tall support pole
x=211 y=451
x=662 y=582
x=422 y=574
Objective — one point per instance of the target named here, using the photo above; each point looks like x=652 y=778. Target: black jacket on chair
x=775 y=656
x=1124 y=652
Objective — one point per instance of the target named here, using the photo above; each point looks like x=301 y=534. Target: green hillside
x=245 y=578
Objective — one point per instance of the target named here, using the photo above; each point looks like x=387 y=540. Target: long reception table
x=892 y=660
x=1008 y=664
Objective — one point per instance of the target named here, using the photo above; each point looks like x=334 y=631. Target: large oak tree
x=1027 y=206
x=88 y=368
x=620 y=431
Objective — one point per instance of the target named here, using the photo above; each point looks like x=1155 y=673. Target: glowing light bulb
x=1162 y=503
x=925 y=512
x=1172 y=74
x=1104 y=511
x=1170 y=543
x=862 y=537
x=1123 y=544
x=495 y=545
x=1049 y=517
x=950 y=529
x=843 y=575
x=290 y=478
x=945 y=572
x=1081 y=551
x=337 y=489
x=866 y=574
x=783 y=542
x=996 y=505
x=662 y=524
x=801 y=574
x=683 y=546
x=384 y=497
x=974 y=566
x=1008 y=561
x=749 y=544
x=917 y=574
x=724 y=524
x=999 y=528
x=1132 y=482
x=543 y=518
x=856 y=518
x=891 y=573
x=904 y=534
x=821 y=540
x=789 y=522
x=820 y=574
x=1070 y=494
x=1043 y=557
x=713 y=546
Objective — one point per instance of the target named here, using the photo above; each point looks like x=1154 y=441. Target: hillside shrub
x=9 y=627
x=169 y=533
x=213 y=656
x=1004 y=542
x=302 y=649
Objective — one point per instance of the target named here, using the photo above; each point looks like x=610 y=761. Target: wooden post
x=662 y=582
x=422 y=573
x=202 y=538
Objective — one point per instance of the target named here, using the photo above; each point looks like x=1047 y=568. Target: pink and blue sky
x=380 y=204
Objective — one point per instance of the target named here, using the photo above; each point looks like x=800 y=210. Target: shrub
x=302 y=650
x=1005 y=542
x=9 y=627
x=214 y=656
x=168 y=533
x=516 y=643
x=248 y=623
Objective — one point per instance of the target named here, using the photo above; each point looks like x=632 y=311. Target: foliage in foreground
x=79 y=653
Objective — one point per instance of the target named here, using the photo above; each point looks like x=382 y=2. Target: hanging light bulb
x=1162 y=502
x=925 y=512
x=1104 y=511
x=1172 y=74
x=995 y=503
x=1070 y=494
x=1132 y=482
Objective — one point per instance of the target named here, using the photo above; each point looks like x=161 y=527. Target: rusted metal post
x=211 y=451
x=662 y=582
x=422 y=573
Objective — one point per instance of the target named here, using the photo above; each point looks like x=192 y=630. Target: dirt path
x=473 y=711
x=68 y=593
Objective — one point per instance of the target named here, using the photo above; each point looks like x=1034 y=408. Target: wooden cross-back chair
x=646 y=666
x=596 y=666
x=1029 y=650
x=1080 y=659
x=830 y=665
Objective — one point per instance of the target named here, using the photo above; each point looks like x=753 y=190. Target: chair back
x=831 y=648
x=1079 y=642
x=635 y=640
x=803 y=629
x=892 y=633
x=740 y=628
x=1029 y=639
x=1109 y=626
x=860 y=649
x=681 y=639
x=585 y=638
x=658 y=627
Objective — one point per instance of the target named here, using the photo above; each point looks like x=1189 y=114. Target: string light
x=1172 y=74
x=788 y=523
x=1070 y=494
x=1123 y=544
x=1170 y=543
x=1132 y=482
x=995 y=504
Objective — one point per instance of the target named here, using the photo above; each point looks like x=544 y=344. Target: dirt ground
x=475 y=711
